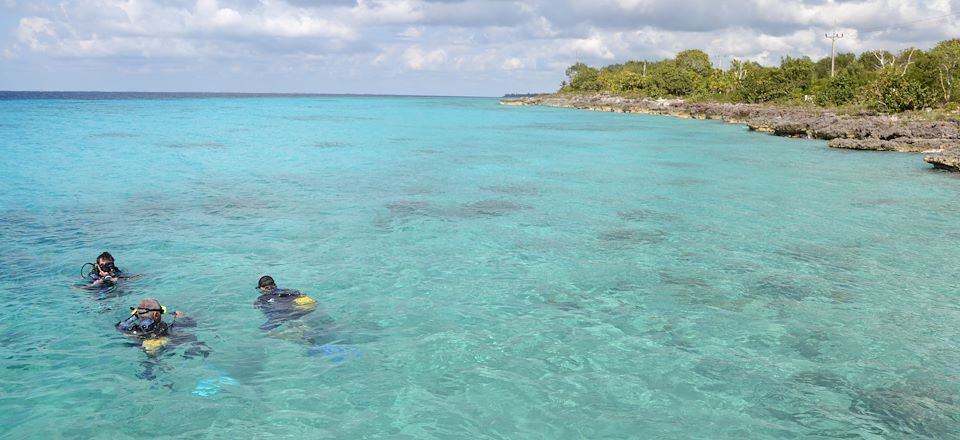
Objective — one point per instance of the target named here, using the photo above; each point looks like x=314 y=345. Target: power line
x=907 y=23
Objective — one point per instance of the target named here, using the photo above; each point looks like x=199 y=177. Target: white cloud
x=412 y=33
x=464 y=38
x=594 y=46
x=384 y=12
x=512 y=64
x=418 y=59
x=34 y=30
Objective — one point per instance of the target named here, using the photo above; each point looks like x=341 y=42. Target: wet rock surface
x=946 y=159
x=863 y=131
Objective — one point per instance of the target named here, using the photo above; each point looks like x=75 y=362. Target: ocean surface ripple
x=482 y=272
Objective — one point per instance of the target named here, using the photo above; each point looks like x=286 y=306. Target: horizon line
x=251 y=94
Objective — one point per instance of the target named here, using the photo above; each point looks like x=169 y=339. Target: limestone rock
x=946 y=159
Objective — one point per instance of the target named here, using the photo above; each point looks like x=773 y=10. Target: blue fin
x=210 y=386
x=334 y=352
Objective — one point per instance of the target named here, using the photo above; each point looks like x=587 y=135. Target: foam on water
x=505 y=273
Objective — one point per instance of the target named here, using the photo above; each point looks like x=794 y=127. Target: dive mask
x=136 y=310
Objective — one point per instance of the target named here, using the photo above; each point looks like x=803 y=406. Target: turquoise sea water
x=482 y=271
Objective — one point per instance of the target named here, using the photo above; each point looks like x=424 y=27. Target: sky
x=421 y=47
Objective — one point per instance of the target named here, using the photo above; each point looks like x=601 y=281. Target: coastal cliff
x=939 y=139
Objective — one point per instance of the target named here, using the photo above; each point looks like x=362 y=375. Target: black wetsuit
x=279 y=306
x=115 y=273
x=143 y=329
x=132 y=326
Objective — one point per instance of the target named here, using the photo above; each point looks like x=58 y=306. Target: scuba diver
x=146 y=324
x=281 y=305
x=104 y=272
x=286 y=306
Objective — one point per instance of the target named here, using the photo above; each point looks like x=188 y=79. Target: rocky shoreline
x=938 y=140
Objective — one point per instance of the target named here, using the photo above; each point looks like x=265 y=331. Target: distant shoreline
x=938 y=140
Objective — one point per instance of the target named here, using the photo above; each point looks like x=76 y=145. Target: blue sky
x=429 y=47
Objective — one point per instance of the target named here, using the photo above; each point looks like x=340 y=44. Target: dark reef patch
x=644 y=215
x=191 y=145
x=491 y=208
x=331 y=144
x=113 y=135
x=409 y=207
x=915 y=409
x=778 y=286
x=514 y=190
x=633 y=236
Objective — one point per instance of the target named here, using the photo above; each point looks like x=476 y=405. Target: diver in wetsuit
x=104 y=272
x=146 y=323
x=281 y=305
x=288 y=305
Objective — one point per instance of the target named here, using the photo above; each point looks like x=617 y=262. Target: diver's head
x=105 y=258
x=105 y=262
x=148 y=309
x=266 y=284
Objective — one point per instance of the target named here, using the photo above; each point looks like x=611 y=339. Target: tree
x=799 y=73
x=838 y=90
x=910 y=79
x=946 y=57
x=623 y=81
x=695 y=60
x=719 y=82
x=637 y=67
x=877 y=60
x=740 y=69
x=673 y=80
x=907 y=59
x=576 y=69
x=584 y=78
x=764 y=84
x=895 y=93
x=842 y=62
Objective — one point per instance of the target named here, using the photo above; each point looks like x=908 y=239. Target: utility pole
x=833 y=50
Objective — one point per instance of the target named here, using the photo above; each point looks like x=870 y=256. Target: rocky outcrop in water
x=864 y=131
x=946 y=159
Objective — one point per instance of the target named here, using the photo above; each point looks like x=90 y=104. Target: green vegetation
x=909 y=80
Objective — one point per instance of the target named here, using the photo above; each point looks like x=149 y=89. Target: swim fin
x=210 y=386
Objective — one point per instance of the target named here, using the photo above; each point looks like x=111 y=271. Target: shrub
x=892 y=93
x=836 y=91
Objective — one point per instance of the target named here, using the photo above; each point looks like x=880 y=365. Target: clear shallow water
x=495 y=272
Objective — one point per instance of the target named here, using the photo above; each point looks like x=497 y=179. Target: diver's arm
x=178 y=315
x=185 y=322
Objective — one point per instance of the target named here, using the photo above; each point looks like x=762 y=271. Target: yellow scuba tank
x=154 y=344
x=305 y=303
